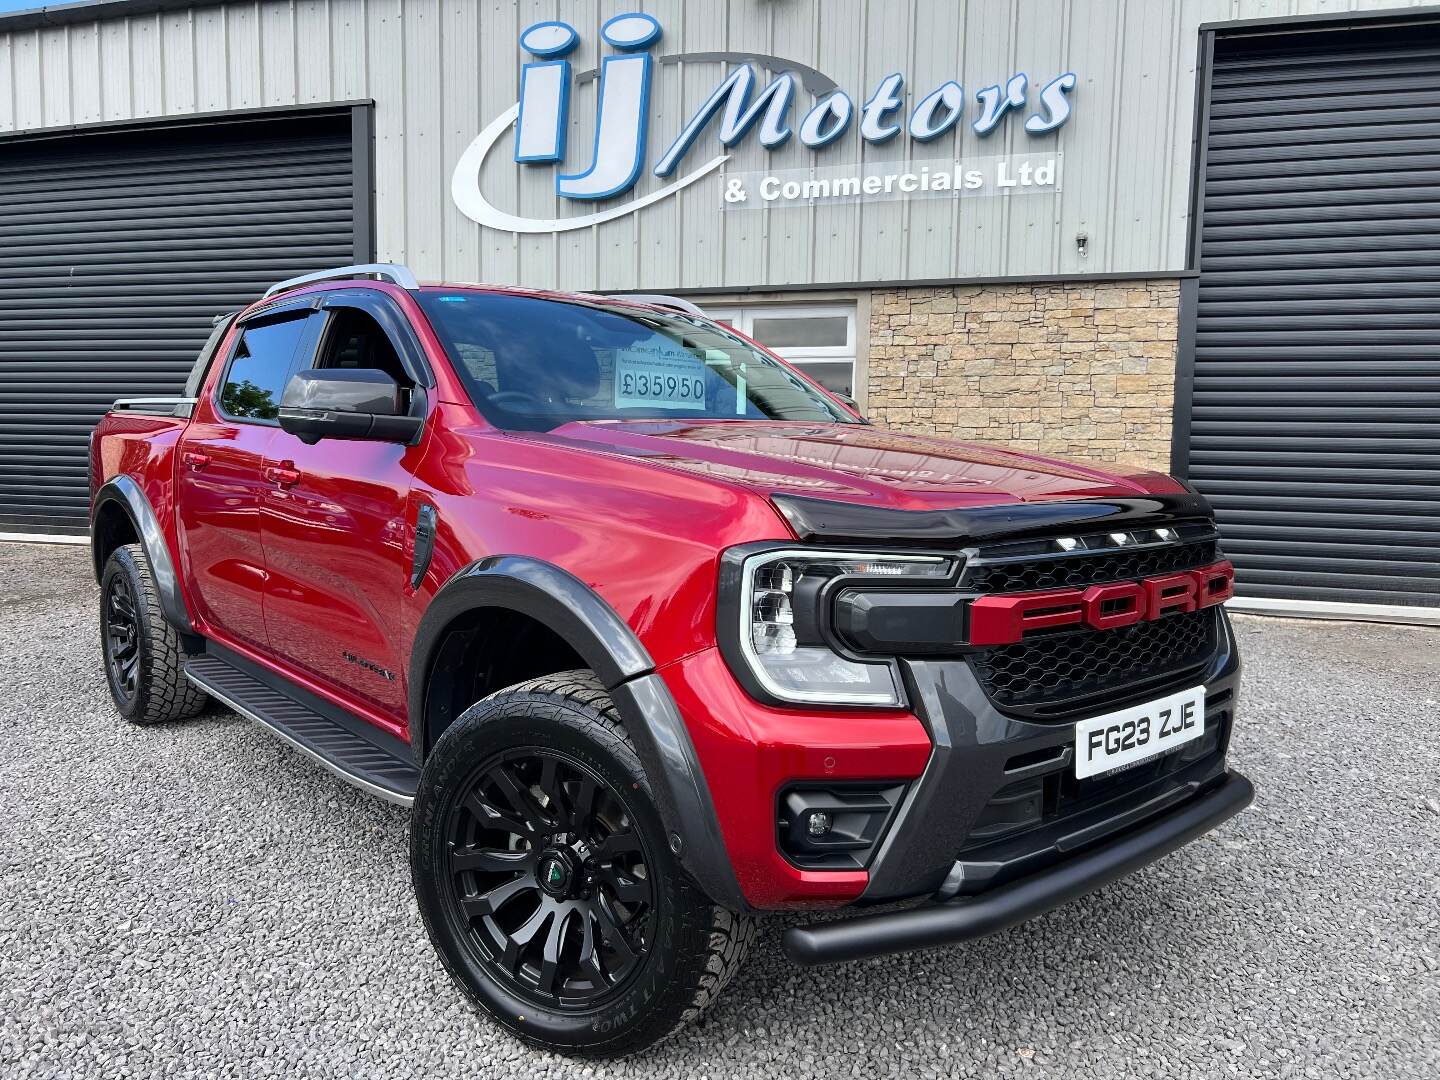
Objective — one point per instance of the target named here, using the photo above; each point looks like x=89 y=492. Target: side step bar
x=335 y=739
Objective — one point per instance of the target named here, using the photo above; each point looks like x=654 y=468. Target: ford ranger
x=653 y=634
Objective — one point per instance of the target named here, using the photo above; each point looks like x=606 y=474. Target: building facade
x=1194 y=235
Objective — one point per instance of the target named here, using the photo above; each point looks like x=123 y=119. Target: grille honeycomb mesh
x=1056 y=668
x=1074 y=571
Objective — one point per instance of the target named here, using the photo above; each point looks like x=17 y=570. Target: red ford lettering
x=1109 y=607
x=1005 y=619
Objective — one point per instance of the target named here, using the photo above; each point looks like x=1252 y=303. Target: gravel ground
x=198 y=900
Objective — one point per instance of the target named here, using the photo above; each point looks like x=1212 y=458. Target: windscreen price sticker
x=650 y=379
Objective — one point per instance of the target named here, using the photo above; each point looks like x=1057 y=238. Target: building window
x=819 y=339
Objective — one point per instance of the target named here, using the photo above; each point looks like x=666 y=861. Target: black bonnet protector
x=821 y=521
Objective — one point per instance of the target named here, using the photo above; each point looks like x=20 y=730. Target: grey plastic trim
x=155 y=406
x=971 y=739
x=1334 y=609
x=330 y=766
x=677 y=782
x=127 y=493
x=542 y=590
x=604 y=641
x=921 y=799
x=42 y=538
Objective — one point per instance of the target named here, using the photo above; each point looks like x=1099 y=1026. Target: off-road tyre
x=694 y=947
x=144 y=660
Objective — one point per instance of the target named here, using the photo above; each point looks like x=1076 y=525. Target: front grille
x=1055 y=674
x=1087 y=568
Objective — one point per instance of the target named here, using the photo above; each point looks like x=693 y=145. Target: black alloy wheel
x=122 y=636
x=549 y=879
x=543 y=871
x=144 y=655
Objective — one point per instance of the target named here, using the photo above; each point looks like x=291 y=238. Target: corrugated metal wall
x=440 y=69
x=1316 y=422
x=115 y=252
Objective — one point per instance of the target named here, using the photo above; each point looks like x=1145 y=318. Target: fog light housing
x=835 y=827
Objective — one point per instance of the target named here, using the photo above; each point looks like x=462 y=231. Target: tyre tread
x=579 y=700
x=165 y=693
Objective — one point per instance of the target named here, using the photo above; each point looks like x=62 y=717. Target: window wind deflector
x=282 y=310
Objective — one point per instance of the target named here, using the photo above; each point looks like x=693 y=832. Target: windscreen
x=533 y=364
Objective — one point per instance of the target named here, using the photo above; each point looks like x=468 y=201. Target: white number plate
x=1122 y=738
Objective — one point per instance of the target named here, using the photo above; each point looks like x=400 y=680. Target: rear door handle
x=284 y=475
x=195 y=459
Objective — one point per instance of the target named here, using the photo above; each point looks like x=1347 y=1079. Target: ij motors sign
x=797 y=102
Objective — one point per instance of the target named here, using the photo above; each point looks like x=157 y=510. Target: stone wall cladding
x=1083 y=371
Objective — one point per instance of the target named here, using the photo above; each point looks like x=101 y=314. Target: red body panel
x=337 y=541
x=220 y=486
x=143 y=448
x=856 y=463
x=300 y=567
x=749 y=751
x=647 y=542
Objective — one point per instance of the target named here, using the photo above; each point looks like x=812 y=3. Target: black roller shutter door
x=117 y=249
x=1315 y=423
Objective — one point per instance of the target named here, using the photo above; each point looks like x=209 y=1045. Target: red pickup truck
x=654 y=634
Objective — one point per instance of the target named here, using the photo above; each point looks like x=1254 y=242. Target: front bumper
x=989 y=798
x=997 y=801
x=961 y=920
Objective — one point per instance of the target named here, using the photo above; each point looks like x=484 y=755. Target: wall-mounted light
x=1082 y=244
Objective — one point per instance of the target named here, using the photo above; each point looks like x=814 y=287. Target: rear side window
x=207 y=356
x=259 y=370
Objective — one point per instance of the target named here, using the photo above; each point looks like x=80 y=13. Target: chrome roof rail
x=660 y=300
x=392 y=272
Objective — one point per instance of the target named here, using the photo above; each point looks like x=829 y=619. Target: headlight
x=781 y=614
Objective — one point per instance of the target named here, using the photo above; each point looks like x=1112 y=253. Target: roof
x=46 y=15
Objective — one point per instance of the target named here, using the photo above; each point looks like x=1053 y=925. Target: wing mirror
x=851 y=404
x=346 y=403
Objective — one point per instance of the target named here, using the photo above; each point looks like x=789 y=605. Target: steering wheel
x=516 y=401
